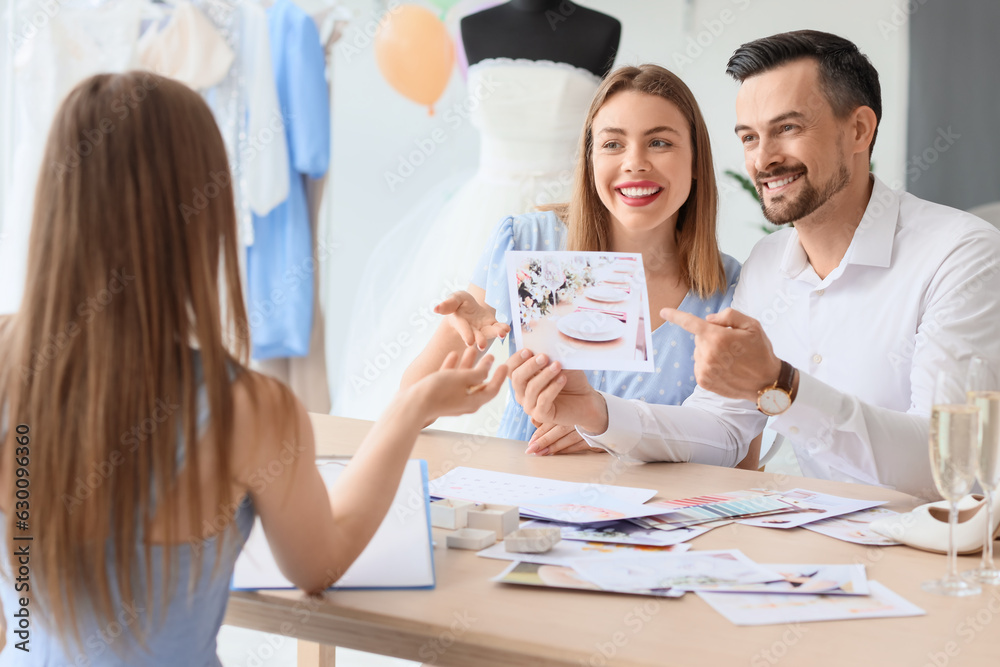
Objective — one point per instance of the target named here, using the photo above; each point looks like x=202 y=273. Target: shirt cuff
x=624 y=427
x=812 y=408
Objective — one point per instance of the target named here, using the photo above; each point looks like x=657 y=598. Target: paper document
x=400 y=555
x=560 y=576
x=687 y=571
x=813 y=506
x=770 y=609
x=568 y=552
x=804 y=580
x=619 y=532
x=855 y=527
x=487 y=486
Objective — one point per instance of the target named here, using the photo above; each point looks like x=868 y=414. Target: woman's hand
x=476 y=324
x=460 y=386
x=556 y=439
x=550 y=395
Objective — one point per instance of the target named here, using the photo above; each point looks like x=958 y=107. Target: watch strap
x=785 y=377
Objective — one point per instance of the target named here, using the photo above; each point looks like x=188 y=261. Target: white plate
x=605 y=294
x=592 y=327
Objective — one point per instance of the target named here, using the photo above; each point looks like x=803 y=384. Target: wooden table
x=468 y=620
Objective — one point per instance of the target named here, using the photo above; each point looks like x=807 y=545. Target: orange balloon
x=415 y=54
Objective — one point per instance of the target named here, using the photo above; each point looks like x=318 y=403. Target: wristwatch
x=777 y=398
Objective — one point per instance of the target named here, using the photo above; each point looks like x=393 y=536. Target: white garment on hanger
x=76 y=42
x=188 y=48
x=267 y=169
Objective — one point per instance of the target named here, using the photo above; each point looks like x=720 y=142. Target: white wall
x=6 y=115
x=373 y=126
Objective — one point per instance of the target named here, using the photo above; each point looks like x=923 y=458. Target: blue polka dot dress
x=672 y=347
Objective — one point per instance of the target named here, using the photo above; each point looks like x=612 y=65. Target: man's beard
x=809 y=199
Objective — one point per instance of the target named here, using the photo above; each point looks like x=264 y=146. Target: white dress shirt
x=916 y=292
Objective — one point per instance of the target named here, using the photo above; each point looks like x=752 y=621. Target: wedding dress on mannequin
x=529 y=115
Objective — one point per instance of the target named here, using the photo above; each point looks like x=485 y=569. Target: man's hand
x=550 y=395
x=732 y=355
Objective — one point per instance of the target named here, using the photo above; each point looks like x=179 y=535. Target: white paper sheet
x=804 y=580
x=487 y=486
x=587 y=506
x=817 y=506
x=855 y=527
x=570 y=552
x=400 y=555
x=772 y=609
x=687 y=571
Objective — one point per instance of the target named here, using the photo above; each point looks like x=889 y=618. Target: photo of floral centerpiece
x=587 y=310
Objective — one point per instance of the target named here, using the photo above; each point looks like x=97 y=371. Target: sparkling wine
x=988 y=456
x=954 y=433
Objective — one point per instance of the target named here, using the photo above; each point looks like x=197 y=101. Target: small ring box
x=501 y=519
x=470 y=538
x=450 y=514
x=532 y=540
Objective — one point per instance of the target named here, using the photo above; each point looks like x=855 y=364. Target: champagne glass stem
x=952 y=551
x=987 y=563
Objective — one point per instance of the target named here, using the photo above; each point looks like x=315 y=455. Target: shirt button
x=793 y=430
x=820 y=292
x=817 y=359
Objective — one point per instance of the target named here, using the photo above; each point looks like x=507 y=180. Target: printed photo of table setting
x=586 y=310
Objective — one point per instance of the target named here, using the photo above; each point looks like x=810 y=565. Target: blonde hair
x=133 y=216
x=587 y=218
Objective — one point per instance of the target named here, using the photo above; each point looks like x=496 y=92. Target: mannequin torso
x=556 y=30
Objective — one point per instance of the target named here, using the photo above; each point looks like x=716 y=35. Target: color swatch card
x=703 y=509
x=400 y=555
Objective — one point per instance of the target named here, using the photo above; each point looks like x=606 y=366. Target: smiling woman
x=644 y=182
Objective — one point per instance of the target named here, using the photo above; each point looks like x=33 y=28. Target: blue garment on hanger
x=280 y=264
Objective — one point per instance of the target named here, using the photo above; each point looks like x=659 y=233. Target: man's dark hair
x=848 y=78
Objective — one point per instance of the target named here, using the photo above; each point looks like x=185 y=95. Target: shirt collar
x=873 y=239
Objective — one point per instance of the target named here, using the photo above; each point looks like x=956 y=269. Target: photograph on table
x=586 y=310
x=563 y=576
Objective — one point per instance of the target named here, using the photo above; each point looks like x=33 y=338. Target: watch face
x=773 y=401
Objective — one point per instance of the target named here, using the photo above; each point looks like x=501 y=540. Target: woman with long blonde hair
x=137 y=446
x=644 y=183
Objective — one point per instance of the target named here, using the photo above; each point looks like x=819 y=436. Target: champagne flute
x=954 y=430
x=552 y=276
x=984 y=392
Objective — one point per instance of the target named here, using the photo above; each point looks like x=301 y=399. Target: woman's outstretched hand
x=460 y=386
x=551 y=395
x=475 y=324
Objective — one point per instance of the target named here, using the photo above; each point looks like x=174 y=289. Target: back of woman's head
x=133 y=224
x=587 y=217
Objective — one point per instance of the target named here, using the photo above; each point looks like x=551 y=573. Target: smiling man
x=839 y=325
